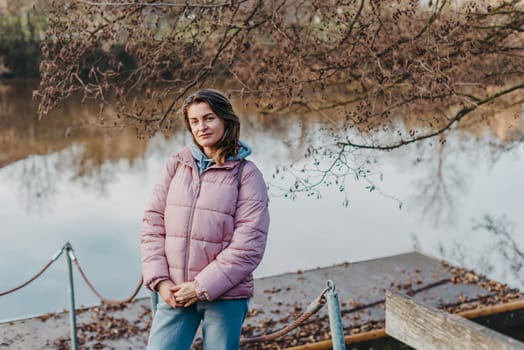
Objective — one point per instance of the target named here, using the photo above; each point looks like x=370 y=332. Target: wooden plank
x=424 y=327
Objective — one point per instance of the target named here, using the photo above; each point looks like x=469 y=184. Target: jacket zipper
x=190 y=227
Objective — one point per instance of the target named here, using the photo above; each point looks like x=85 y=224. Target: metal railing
x=327 y=296
x=72 y=260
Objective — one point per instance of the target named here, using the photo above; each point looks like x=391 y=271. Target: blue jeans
x=175 y=328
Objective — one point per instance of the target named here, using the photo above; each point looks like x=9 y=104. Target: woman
x=204 y=231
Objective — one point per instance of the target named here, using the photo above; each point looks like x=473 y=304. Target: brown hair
x=229 y=143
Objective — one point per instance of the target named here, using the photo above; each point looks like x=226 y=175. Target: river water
x=62 y=180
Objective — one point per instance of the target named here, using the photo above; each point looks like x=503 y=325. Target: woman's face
x=207 y=128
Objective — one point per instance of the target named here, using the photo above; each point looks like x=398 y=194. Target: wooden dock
x=280 y=299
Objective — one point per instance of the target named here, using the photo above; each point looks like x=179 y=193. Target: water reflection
x=37 y=182
x=85 y=144
x=503 y=254
x=440 y=185
x=68 y=179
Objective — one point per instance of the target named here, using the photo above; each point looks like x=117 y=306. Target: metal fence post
x=72 y=310
x=335 y=318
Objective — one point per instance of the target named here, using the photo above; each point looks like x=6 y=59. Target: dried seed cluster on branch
x=367 y=60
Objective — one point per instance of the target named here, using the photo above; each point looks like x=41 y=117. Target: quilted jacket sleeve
x=154 y=262
x=246 y=249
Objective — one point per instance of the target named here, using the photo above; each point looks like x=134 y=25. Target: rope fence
x=55 y=257
x=35 y=276
x=100 y=296
x=312 y=309
x=71 y=258
x=326 y=297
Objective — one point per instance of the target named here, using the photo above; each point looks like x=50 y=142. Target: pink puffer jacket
x=203 y=229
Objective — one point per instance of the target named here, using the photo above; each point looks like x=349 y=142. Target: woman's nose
x=201 y=125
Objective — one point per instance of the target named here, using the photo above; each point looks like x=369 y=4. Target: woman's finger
x=190 y=302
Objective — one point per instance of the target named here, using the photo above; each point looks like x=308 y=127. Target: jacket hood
x=243 y=151
x=203 y=162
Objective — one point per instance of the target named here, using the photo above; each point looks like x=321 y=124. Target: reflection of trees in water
x=501 y=245
x=5 y=106
x=317 y=152
x=92 y=165
x=89 y=167
x=72 y=141
x=441 y=182
x=37 y=179
x=445 y=162
x=98 y=146
x=446 y=167
x=292 y=131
